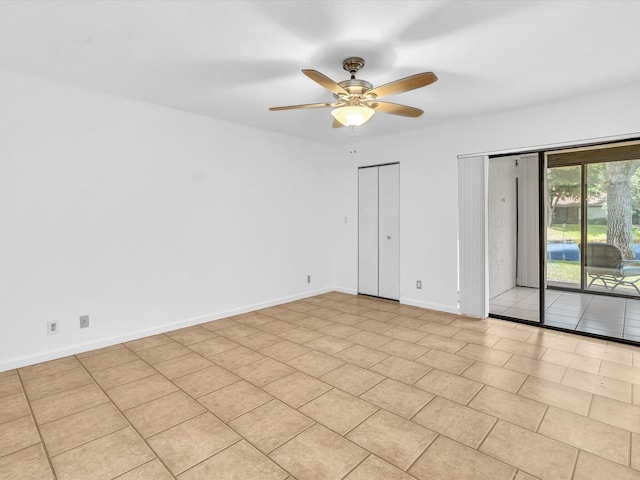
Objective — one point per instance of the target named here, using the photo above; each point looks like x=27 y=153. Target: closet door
x=379 y=231
x=389 y=231
x=368 y=231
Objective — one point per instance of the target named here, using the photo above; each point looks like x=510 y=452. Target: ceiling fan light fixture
x=352 y=115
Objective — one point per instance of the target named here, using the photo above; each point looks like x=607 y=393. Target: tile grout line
x=438 y=435
x=425 y=406
x=478 y=393
x=575 y=464
x=358 y=464
x=590 y=405
x=210 y=457
x=542 y=417
x=142 y=464
x=35 y=423
x=78 y=411
x=473 y=362
x=55 y=393
x=484 y=438
x=140 y=436
x=360 y=423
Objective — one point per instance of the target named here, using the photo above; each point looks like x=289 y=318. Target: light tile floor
x=608 y=316
x=331 y=387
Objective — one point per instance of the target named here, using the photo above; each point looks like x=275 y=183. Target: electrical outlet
x=419 y=284
x=52 y=328
x=308 y=278
x=84 y=321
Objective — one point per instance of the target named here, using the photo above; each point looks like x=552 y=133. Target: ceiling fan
x=357 y=100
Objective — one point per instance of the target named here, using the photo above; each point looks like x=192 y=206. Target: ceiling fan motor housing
x=352 y=65
x=355 y=86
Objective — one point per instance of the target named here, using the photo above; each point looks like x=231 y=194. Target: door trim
x=358 y=238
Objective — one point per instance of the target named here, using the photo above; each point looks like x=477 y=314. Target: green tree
x=618 y=181
x=635 y=193
x=562 y=183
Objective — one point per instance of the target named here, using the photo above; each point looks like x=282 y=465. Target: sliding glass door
x=593 y=220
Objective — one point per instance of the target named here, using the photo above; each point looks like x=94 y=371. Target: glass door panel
x=613 y=234
x=513 y=231
x=564 y=226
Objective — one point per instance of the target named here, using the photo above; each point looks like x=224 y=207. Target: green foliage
x=597 y=185
x=561 y=271
x=607 y=182
x=570 y=232
x=563 y=183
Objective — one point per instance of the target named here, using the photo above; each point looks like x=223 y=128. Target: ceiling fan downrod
x=352 y=65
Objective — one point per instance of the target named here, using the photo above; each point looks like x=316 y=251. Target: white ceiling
x=233 y=59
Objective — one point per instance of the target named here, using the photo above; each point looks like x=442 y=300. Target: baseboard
x=26 y=360
x=431 y=306
x=409 y=301
x=350 y=291
x=23 y=361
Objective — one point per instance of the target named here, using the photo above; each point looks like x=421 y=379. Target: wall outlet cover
x=52 y=328
x=84 y=321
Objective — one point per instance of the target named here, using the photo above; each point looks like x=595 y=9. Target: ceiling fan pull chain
x=352 y=141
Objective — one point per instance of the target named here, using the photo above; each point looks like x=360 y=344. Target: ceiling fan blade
x=325 y=81
x=337 y=124
x=396 y=109
x=307 y=105
x=404 y=84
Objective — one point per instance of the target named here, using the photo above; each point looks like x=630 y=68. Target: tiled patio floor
x=608 y=316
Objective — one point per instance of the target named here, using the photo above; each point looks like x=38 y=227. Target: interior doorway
x=379 y=231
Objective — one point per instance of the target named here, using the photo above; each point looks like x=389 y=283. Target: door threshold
x=379 y=298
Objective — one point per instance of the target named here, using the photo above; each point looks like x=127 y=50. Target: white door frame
x=379 y=239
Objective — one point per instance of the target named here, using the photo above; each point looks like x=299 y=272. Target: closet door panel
x=389 y=231
x=368 y=231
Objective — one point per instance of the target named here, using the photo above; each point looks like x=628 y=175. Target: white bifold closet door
x=379 y=231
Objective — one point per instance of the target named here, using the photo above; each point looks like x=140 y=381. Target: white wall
x=502 y=225
x=145 y=218
x=428 y=184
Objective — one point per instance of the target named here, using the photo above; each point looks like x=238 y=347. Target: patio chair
x=605 y=263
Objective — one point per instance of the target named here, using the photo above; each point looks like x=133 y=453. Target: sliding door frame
x=542 y=236
x=542 y=272
x=542 y=172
